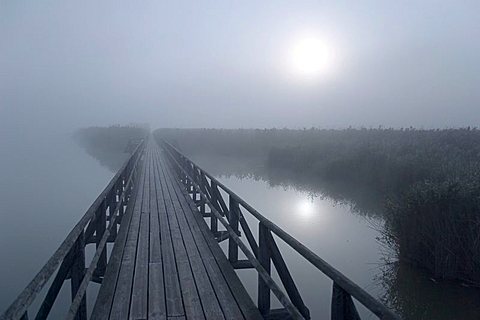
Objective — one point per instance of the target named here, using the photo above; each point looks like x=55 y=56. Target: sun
x=311 y=56
x=305 y=207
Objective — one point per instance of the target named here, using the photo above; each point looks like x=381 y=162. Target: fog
x=223 y=64
x=65 y=65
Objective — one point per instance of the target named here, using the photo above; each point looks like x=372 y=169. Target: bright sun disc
x=311 y=56
x=305 y=207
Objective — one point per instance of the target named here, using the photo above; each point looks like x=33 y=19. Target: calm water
x=345 y=238
x=48 y=182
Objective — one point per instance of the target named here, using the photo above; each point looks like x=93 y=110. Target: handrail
x=343 y=286
x=97 y=210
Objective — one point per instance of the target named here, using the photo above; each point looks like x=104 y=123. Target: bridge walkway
x=165 y=263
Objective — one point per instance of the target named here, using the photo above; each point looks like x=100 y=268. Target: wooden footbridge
x=164 y=217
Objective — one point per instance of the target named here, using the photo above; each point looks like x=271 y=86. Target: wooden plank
x=174 y=301
x=210 y=304
x=121 y=299
x=139 y=299
x=156 y=289
x=101 y=310
x=220 y=286
x=191 y=299
x=245 y=303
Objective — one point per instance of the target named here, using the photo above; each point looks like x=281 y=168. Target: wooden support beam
x=232 y=246
x=248 y=234
x=77 y=272
x=213 y=220
x=285 y=277
x=264 y=259
x=112 y=205
x=278 y=314
x=61 y=276
x=222 y=206
x=342 y=305
x=221 y=235
x=242 y=264
x=100 y=230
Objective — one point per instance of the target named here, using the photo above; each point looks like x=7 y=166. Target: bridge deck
x=165 y=263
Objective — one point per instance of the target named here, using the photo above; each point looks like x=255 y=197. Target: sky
x=70 y=64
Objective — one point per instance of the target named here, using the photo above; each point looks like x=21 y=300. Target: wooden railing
x=98 y=226
x=262 y=251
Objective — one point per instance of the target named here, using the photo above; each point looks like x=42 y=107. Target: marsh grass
x=429 y=180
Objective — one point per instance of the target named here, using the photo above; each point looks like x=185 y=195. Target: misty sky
x=223 y=64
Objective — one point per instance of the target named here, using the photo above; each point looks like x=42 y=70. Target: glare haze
x=225 y=64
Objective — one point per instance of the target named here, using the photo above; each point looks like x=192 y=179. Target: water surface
x=346 y=234
x=48 y=182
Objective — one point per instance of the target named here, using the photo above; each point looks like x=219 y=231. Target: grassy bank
x=427 y=178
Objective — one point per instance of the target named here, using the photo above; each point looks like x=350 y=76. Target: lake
x=345 y=234
x=49 y=182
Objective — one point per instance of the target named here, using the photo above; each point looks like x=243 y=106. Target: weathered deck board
x=139 y=300
x=207 y=297
x=156 y=290
x=122 y=292
x=165 y=263
x=218 y=264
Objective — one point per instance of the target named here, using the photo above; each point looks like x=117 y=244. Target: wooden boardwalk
x=165 y=263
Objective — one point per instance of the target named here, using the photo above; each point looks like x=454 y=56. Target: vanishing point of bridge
x=165 y=217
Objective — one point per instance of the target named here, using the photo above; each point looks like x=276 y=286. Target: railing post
x=101 y=226
x=232 y=246
x=286 y=277
x=56 y=286
x=76 y=274
x=264 y=259
x=203 y=203
x=343 y=307
x=194 y=190
x=213 y=219
x=112 y=204
x=121 y=208
x=196 y=180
